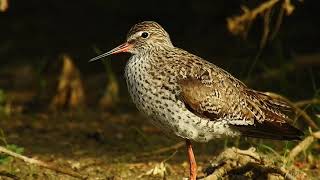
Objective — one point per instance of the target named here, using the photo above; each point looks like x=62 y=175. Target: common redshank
x=192 y=98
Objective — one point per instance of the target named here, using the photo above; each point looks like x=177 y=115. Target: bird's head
x=142 y=37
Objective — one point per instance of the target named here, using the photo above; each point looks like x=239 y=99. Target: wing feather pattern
x=253 y=113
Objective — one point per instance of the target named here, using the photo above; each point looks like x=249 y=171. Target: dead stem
x=41 y=163
x=236 y=161
x=303 y=145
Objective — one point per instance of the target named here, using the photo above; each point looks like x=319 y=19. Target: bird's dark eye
x=144 y=34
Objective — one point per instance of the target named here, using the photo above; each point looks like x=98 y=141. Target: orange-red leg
x=192 y=161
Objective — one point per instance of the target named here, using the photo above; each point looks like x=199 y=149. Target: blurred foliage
x=12 y=147
x=4 y=158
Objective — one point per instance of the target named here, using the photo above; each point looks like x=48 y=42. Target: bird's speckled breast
x=155 y=93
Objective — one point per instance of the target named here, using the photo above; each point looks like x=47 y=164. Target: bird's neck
x=155 y=52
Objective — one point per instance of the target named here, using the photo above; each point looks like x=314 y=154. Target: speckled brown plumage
x=162 y=73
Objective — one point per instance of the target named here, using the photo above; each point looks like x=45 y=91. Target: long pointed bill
x=122 y=48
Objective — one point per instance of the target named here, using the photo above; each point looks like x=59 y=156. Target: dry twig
x=41 y=163
x=240 y=24
x=236 y=161
x=303 y=145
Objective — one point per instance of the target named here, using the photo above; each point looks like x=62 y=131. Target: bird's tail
x=271 y=130
x=275 y=124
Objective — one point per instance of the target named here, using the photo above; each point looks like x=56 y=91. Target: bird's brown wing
x=252 y=113
x=217 y=101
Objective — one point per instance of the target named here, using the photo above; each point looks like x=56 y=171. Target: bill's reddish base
x=192 y=161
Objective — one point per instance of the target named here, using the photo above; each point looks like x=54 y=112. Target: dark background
x=36 y=33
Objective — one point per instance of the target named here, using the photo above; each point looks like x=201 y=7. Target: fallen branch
x=303 y=145
x=41 y=163
x=239 y=25
x=306 y=117
x=234 y=162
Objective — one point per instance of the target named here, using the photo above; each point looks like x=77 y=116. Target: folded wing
x=253 y=113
